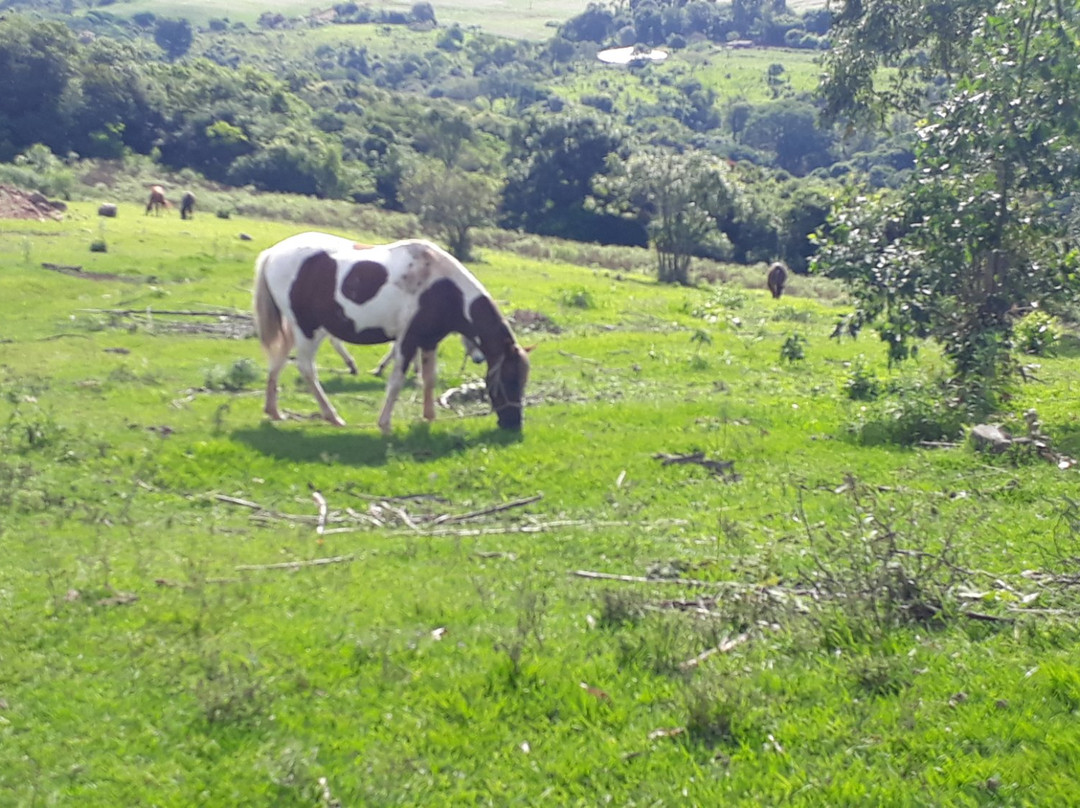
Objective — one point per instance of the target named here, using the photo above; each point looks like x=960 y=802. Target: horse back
x=363 y=294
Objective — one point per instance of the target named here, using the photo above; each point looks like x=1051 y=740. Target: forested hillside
x=380 y=107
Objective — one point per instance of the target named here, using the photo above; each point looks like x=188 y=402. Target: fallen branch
x=239 y=315
x=722 y=468
x=235 y=501
x=722 y=648
x=447 y=519
x=295 y=565
x=771 y=591
x=320 y=500
x=165 y=582
x=987 y=618
x=502 y=531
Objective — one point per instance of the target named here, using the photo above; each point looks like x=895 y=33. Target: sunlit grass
x=152 y=655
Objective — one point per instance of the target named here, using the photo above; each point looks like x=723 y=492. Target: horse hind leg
x=343 y=352
x=278 y=355
x=305 y=363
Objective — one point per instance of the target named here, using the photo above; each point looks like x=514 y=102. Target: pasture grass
x=531 y=19
x=150 y=654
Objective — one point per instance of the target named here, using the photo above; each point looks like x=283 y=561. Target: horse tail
x=273 y=330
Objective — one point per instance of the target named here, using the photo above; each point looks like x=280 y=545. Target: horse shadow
x=322 y=443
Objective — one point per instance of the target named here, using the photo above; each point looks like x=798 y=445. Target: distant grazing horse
x=315 y=285
x=187 y=205
x=157 y=200
x=777 y=279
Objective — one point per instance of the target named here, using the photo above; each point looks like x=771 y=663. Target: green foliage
x=1037 y=333
x=237 y=376
x=862 y=384
x=977 y=231
x=39 y=169
x=682 y=199
x=793 y=348
x=579 y=298
x=450 y=202
x=912 y=410
x=173 y=36
x=551 y=164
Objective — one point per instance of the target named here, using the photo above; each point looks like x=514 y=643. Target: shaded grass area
x=151 y=654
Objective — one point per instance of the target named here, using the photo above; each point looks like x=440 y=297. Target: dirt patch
x=524 y=320
x=15 y=203
x=79 y=272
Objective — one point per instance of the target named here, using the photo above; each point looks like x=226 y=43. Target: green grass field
x=520 y=19
x=180 y=627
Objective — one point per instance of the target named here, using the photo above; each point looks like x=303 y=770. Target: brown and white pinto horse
x=315 y=285
x=157 y=200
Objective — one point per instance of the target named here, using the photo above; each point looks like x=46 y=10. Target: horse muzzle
x=510 y=418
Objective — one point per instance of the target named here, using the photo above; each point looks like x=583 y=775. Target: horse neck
x=490 y=329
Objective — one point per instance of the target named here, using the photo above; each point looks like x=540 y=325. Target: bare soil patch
x=16 y=203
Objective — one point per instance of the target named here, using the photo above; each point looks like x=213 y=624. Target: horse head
x=505 y=382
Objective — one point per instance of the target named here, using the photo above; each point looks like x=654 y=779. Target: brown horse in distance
x=777 y=279
x=187 y=205
x=157 y=200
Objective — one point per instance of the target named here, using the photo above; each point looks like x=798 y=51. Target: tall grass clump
x=908 y=411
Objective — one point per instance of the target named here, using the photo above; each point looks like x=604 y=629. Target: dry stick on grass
x=692 y=582
x=722 y=648
x=446 y=519
x=239 y=315
x=295 y=565
x=720 y=467
x=320 y=500
x=539 y=527
x=255 y=506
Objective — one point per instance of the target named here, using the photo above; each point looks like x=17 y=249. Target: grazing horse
x=157 y=200
x=412 y=292
x=187 y=205
x=777 y=279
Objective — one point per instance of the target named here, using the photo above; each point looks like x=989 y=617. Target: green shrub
x=861 y=383
x=912 y=411
x=238 y=376
x=1037 y=334
x=793 y=349
x=578 y=298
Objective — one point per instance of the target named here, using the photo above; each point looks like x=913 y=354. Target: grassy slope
x=223 y=686
x=523 y=19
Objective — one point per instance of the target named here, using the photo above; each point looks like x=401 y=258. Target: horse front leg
x=393 y=390
x=427 y=372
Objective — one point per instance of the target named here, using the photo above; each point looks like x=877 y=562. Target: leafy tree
x=450 y=202
x=116 y=105
x=551 y=165
x=683 y=197
x=978 y=232
x=37 y=63
x=174 y=37
x=790 y=130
